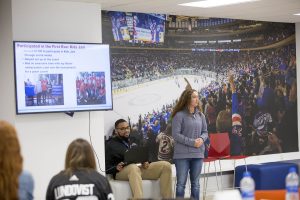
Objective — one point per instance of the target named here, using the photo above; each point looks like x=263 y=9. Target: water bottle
x=247 y=185
x=291 y=185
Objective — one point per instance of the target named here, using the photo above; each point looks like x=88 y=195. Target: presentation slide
x=61 y=77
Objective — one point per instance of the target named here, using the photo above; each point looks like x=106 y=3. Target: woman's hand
x=198 y=142
x=120 y=166
x=145 y=165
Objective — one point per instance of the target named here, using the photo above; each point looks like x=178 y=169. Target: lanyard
x=126 y=144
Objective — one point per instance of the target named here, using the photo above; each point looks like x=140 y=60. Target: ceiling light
x=215 y=3
x=297 y=14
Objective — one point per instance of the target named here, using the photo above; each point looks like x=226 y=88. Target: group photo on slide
x=90 y=88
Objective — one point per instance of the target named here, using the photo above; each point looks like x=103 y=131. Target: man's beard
x=124 y=138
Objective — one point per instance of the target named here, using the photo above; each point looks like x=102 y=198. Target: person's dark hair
x=79 y=155
x=119 y=121
x=184 y=100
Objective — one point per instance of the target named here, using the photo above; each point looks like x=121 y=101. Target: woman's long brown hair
x=79 y=155
x=10 y=162
x=184 y=101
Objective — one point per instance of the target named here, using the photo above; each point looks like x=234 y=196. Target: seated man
x=115 y=149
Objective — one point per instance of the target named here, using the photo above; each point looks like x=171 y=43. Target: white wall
x=7 y=104
x=44 y=137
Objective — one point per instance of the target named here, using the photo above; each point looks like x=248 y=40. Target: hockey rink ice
x=143 y=98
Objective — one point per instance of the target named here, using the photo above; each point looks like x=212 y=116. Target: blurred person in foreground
x=15 y=183
x=79 y=179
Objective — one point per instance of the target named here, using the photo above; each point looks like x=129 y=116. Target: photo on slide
x=90 y=88
x=44 y=90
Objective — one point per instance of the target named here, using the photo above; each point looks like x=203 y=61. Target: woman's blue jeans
x=183 y=167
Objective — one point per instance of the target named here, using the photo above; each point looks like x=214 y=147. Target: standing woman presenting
x=189 y=130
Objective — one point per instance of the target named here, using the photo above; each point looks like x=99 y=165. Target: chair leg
x=216 y=175
x=221 y=174
x=204 y=177
x=233 y=184
x=205 y=182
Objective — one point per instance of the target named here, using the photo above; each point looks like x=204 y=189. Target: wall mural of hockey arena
x=153 y=54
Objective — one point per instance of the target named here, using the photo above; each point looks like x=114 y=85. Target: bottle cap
x=247 y=174
x=292 y=169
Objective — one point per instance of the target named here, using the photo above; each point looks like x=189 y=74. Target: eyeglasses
x=124 y=128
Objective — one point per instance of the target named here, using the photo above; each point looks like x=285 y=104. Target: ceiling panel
x=258 y=10
x=264 y=10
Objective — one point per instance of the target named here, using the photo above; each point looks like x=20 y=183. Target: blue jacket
x=187 y=127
